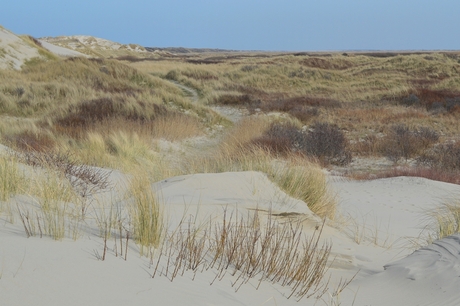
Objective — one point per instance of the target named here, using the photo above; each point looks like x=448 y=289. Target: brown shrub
x=280 y=146
x=444 y=156
x=326 y=142
x=96 y=113
x=431 y=99
x=402 y=142
x=304 y=114
x=279 y=138
x=31 y=141
x=233 y=100
x=323 y=141
x=88 y=112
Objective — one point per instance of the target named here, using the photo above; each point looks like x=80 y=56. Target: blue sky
x=288 y=25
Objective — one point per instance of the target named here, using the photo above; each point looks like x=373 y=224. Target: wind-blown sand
x=391 y=212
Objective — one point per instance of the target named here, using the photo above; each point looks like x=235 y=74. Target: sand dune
x=69 y=272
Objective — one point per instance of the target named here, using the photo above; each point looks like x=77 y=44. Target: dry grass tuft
x=177 y=127
x=250 y=247
x=11 y=179
x=145 y=213
x=446 y=220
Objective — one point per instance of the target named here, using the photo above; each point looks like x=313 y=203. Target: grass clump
x=305 y=181
x=297 y=176
x=11 y=179
x=250 y=247
x=145 y=213
x=53 y=194
x=446 y=220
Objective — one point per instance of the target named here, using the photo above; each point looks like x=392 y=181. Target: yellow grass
x=358 y=92
x=445 y=220
x=145 y=212
x=11 y=179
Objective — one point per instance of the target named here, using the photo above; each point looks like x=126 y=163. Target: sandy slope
x=69 y=272
x=60 y=50
x=393 y=213
x=14 y=51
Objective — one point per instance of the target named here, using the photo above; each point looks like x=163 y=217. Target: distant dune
x=16 y=50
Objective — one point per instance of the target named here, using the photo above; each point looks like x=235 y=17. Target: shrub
x=326 y=142
x=233 y=100
x=304 y=114
x=31 y=141
x=411 y=100
x=173 y=75
x=97 y=113
x=453 y=104
x=279 y=138
x=402 y=142
x=444 y=156
x=323 y=141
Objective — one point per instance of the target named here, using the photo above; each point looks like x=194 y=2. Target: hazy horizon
x=270 y=25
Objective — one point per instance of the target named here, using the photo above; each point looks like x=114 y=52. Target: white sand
x=14 y=51
x=61 y=51
x=41 y=271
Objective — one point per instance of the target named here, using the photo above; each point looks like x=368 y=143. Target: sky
x=271 y=25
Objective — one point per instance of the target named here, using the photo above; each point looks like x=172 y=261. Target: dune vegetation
x=399 y=106
x=66 y=124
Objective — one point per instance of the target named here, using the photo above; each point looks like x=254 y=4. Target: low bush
x=233 y=100
x=433 y=100
x=402 y=142
x=95 y=114
x=27 y=140
x=444 y=156
x=326 y=142
x=323 y=141
x=279 y=138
